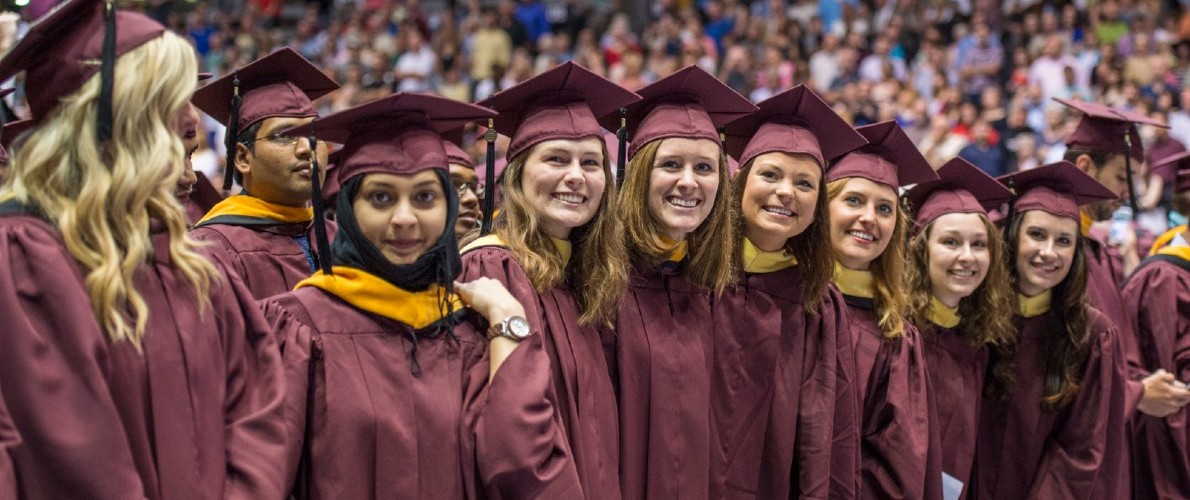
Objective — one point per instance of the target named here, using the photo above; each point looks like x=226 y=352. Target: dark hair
x=247 y=137
x=1099 y=158
x=1065 y=352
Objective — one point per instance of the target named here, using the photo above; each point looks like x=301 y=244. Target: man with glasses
x=462 y=176
x=266 y=232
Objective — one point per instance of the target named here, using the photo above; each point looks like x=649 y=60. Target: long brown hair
x=985 y=316
x=711 y=245
x=889 y=297
x=102 y=197
x=812 y=247
x=1066 y=351
x=597 y=271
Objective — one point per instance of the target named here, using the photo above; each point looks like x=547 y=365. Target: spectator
x=982 y=152
x=491 y=47
x=980 y=64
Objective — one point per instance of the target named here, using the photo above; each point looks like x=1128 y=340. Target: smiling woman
x=961 y=301
x=557 y=247
x=1059 y=419
x=676 y=210
x=781 y=321
x=868 y=231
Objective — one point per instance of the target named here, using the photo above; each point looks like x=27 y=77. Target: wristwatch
x=513 y=327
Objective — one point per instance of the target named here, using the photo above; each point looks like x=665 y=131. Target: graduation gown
x=196 y=416
x=581 y=391
x=782 y=399
x=202 y=199
x=396 y=412
x=957 y=371
x=899 y=448
x=1025 y=451
x=1103 y=293
x=662 y=385
x=1159 y=295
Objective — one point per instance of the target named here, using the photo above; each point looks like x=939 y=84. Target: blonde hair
x=102 y=196
x=711 y=245
x=889 y=297
x=597 y=271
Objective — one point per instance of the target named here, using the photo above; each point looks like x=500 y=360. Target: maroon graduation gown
x=1159 y=296
x=202 y=199
x=784 y=416
x=1025 y=451
x=899 y=448
x=660 y=373
x=381 y=428
x=580 y=388
x=957 y=371
x=267 y=256
x=1103 y=293
x=197 y=416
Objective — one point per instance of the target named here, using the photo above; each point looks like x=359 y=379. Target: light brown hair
x=597 y=271
x=711 y=245
x=812 y=247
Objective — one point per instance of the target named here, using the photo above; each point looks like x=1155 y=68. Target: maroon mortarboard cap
x=204 y=76
x=690 y=103
x=399 y=134
x=561 y=103
x=1103 y=129
x=64 y=48
x=455 y=155
x=961 y=188
x=280 y=84
x=1180 y=163
x=889 y=158
x=1058 y=189
x=794 y=121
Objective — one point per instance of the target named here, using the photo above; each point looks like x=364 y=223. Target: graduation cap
x=69 y=45
x=1110 y=130
x=562 y=103
x=961 y=188
x=452 y=141
x=1181 y=164
x=889 y=158
x=280 y=84
x=690 y=103
x=399 y=134
x=1057 y=189
x=794 y=121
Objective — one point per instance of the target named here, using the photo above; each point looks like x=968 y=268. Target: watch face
x=518 y=327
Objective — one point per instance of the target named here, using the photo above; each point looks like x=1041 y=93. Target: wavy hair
x=1065 y=351
x=711 y=245
x=889 y=291
x=812 y=247
x=597 y=271
x=985 y=316
x=103 y=196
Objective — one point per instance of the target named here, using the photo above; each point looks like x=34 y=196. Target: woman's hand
x=490 y=299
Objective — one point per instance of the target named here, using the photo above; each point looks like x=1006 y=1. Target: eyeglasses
x=463 y=186
x=285 y=140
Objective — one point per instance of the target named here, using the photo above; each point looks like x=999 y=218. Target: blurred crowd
x=973 y=78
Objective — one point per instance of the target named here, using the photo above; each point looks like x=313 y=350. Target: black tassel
x=1128 y=172
x=622 y=147
x=107 y=72
x=489 y=189
x=324 y=245
x=233 y=133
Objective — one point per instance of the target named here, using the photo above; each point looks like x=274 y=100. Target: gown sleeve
x=255 y=434
x=300 y=346
x=53 y=362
